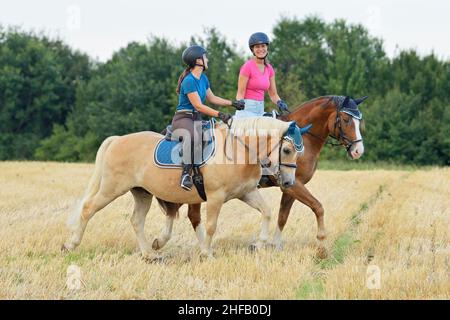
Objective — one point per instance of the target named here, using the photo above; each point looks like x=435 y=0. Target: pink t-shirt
x=258 y=82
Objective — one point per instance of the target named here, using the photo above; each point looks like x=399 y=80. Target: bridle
x=280 y=164
x=343 y=140
x=264 y=164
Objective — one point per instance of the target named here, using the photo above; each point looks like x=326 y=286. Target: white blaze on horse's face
x=287 y=163
x=357 y=149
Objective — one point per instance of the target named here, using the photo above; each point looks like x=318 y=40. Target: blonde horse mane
x=257 y=125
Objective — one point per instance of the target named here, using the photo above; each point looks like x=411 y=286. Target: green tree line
x=58 y=104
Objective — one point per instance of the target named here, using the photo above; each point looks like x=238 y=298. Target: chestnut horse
x=331 y=116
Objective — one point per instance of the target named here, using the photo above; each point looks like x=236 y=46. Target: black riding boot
x=186 y=179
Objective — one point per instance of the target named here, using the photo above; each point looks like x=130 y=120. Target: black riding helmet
x=258 y=38
x=191 y=54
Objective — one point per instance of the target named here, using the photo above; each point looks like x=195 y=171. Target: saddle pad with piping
x=168 y=153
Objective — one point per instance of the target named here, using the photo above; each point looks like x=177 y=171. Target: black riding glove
x=238 y=104
x=225 y=117
x=282 y=106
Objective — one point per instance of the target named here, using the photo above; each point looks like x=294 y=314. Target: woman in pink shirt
x=255 y=78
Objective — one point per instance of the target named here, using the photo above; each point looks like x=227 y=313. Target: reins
x=280 y=163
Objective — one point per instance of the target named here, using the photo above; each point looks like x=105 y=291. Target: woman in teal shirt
x=194 y=90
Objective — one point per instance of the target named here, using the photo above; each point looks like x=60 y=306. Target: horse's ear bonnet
x=350 y=106
x=294 y=134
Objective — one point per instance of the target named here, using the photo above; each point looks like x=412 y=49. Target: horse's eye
x=286 y=150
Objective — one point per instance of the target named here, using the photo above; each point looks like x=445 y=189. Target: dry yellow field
x=388 y=238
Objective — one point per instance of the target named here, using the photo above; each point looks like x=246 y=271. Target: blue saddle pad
x=167 y=153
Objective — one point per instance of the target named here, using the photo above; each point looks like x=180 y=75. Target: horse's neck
x=256 y=149
x=313 y=113
x=316 y=114
x=260 y=148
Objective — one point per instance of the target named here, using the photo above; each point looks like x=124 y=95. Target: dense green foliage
x=57 y=104
x=38 y=83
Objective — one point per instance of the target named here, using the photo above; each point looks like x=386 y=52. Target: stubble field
x=388 y=238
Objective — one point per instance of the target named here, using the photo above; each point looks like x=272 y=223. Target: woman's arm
x=273 y=94
x=282 y=106
x=194 y=98
x=217 y=100
x=239 y=105
x=242 y=86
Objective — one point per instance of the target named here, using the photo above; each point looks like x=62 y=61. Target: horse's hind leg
x=142 y=203
x=255 y=200
x=171 y=210
x=78 y=221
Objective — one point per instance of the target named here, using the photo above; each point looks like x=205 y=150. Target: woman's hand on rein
x=225 y=117
x=238 y=104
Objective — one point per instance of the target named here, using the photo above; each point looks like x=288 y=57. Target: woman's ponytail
x=181 y=78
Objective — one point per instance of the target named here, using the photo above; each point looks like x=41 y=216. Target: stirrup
x=186 y=182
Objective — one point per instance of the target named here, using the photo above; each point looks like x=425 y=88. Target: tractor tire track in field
x=341 y=246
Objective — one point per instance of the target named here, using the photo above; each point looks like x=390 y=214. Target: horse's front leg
x=142 y=203
x=300 y=193
x=213 y=206
x=255 y=200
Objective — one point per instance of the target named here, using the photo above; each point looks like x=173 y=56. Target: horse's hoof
x=207 y=256
x=321 y=235
x=276 y=246
x=254 y=247
x=155 y=244
x=322 y=253
x=65 y=248
x=153 y=259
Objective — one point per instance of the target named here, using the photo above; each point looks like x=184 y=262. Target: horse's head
x=290 y=148
x=277 y=146
x=345 y=126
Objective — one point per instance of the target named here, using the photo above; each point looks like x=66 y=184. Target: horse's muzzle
x=288 y=184
x=356 y=151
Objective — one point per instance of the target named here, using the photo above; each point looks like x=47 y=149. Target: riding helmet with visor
x=191 y=54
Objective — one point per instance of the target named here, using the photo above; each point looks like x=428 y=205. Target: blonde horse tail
x=94 y=183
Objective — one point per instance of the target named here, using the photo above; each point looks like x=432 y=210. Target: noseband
x=343 y=139
x=285 y=164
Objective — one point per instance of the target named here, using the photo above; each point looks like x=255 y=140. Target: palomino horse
x=125 y=163
x=334 y=116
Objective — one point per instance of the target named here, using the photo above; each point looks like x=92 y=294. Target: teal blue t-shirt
x=191 y=84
